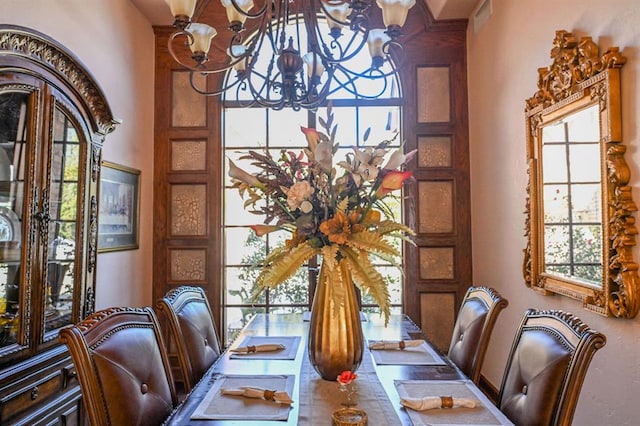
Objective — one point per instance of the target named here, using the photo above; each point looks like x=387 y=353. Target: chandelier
x=297 y=52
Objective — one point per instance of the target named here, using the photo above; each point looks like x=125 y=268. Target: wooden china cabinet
x=53 y=120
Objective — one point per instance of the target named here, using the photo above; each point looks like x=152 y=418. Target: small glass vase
x=349 y=417
x=335 y=333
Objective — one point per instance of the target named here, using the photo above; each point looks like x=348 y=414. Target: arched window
x=257 y=128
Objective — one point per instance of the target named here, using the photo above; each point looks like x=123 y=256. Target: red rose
x=347 y=377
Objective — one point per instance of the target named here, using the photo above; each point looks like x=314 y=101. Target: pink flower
x=299 y=192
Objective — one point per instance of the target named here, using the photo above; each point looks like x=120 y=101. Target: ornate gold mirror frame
x=579 y=213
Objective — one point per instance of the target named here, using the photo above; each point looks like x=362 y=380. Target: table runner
x=326 y=397
x=290 y=343
x=484 y=414
x=419 y=355
x=215 y=406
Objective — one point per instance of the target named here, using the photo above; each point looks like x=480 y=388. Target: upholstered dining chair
x=192 y=329
x=549 y=358
x=471 y=333
x=122 y=367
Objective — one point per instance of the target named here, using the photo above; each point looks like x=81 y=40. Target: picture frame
x=119 y=210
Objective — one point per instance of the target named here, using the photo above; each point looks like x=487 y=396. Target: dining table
x=384 y=377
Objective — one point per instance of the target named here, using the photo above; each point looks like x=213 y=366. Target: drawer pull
x=34 y=393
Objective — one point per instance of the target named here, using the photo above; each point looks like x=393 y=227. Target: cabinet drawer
x=33 y=393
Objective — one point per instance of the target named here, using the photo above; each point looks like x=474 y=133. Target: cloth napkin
x=396 y=345
x=267 y=347
x=279 y=397
x=430 y=402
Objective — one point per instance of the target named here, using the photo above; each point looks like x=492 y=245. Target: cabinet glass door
x=63 y=217
x=13 y=136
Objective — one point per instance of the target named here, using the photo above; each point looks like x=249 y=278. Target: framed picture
x=119 y=208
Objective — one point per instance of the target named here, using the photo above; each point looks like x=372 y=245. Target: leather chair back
x=122 y=367
x=477 y=316
x=545 y=370
x=192 y=329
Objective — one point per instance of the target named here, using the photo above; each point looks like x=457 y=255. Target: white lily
x=398 y=158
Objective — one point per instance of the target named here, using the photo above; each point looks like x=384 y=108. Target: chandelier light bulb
x=338 y=12
x=394 y=12
x=237 y=19
x=202 y=35
x=315 y=67
x=235 y=53
x=377 y=39
x=182 y=11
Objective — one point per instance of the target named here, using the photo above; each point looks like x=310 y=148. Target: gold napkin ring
x=251 y=349
x=446 y=401
x=401 y=345
x=270 y=395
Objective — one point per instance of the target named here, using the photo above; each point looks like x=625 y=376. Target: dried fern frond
x=388 y=226
x=284 y=267
x=366 y=276
x=371 y=241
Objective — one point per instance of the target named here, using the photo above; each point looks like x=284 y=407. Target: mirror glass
x=579 y=220
x=572 y=197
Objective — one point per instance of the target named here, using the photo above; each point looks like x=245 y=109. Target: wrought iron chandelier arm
x=235 y=40
x=249 y=15
x=350 y=86
x=323 y=48
x=284 y=29
x=215 y=92
x=172 y=52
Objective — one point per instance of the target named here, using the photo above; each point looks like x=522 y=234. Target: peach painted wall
x=503 y=58
x=116 y=43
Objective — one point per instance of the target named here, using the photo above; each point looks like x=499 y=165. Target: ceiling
x=157 y=11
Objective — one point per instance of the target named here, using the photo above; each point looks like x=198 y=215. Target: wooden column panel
x=438 y=268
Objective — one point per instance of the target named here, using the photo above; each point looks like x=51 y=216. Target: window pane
x=235 y=212
x=556 y=239
x=579 y=156
x=587 y=241
x=242 y=246
x=245 y=127
x=556 y=203
x=284 y=128
x=240 y=282
x=555 y=163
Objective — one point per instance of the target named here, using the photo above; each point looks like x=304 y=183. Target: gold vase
x=335 y=333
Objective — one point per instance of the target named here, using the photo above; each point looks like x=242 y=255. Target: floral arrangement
x=336 y=211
